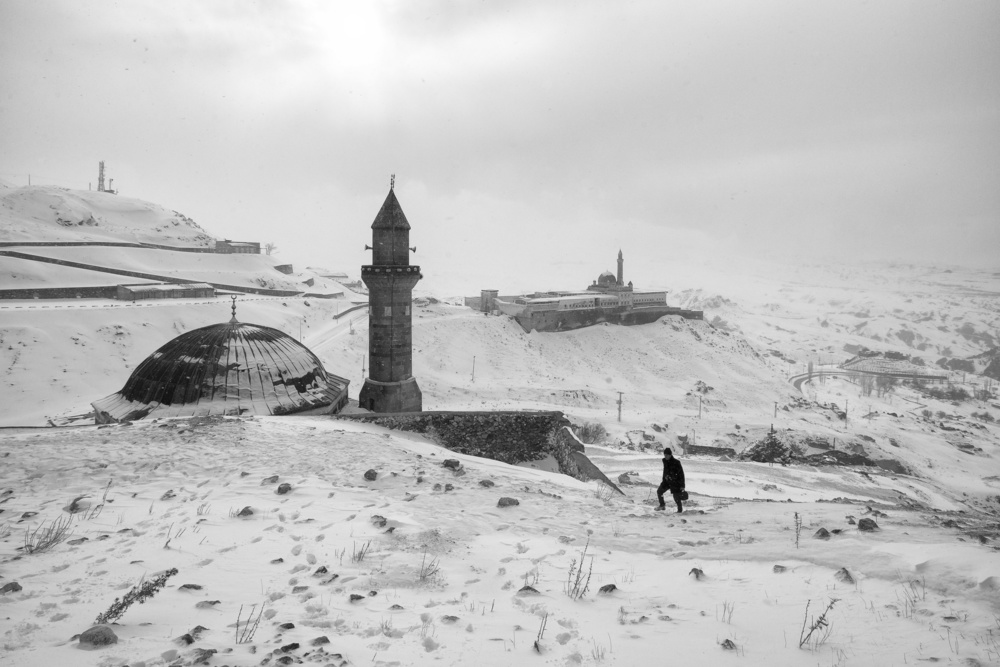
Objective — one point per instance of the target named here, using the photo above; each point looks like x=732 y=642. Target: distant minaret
x=390 y=386
x=621 y=263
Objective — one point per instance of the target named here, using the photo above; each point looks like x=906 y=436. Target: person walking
x=673 y=480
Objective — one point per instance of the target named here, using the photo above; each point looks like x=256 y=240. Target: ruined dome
x=226 y=369
x=607 y=278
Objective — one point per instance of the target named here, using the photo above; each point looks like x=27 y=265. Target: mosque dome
x=607 y=278
x=226 y=369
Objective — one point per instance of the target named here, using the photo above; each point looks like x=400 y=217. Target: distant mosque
x=607 y=299
x=233 y=368
x=609 y=282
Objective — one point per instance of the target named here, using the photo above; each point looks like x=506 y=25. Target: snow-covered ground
x=442 y=572
x=439 y=581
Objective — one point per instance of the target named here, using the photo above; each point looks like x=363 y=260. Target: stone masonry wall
x=508 y=436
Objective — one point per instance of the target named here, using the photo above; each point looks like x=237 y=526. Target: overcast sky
x=525 y=132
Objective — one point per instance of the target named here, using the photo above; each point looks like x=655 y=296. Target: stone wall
x=508 y=436
x=565 y=320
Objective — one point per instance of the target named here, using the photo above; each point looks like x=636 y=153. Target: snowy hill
x=44 y=214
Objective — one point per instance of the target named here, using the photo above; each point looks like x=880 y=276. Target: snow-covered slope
x=47 y=213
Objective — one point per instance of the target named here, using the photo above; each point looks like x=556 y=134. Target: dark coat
x=673 y=474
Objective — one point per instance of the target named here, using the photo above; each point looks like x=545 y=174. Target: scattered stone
x=370 y=475
x=837 y=531
x=396 y=607
x=779 y=569
x=283 y=488
x=207 y=604
x=286 y=626
x=851 y=521
x=844 y=576
x=822 y=534
x=698 y=574
x=185 y=640
x=449 y=619
x=528 y=590
x=951 y=523
x=728 y=645
x=246 y=511
x=190 y=587
x=449 y=487
x=320 y=570
x=244 y=474
x=372 y=594
x=486 y=483
x=273 y=479
x=319 y=641
x=379 y=521
x=299 y=589
x=438 y=487
x=285 y=660
x=197 y=630
x=277 y=560
x=607 y=588
x=355 y=597
x=99 y=635
x=201 y=656
x=168 y=495
x=290 y=647
x=867 y=525
x=452 y=464
x=508 y=502
x=79 y=540
x=11 y=587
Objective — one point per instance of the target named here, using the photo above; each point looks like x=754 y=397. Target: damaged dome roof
x=226 y=369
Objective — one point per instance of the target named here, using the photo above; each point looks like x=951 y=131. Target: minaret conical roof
x=391 y=215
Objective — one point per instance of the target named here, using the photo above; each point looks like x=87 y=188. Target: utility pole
x=620 y=405
x=775 y=409
x=699 y=407
x=473 y=368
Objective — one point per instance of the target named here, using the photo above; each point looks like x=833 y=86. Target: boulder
x=283 y=488
x=370 y=475
x=273 y=479
x=485 y=483
x=607 y=589
x=844 y=576
x=867 y=525
x=10 y=587
x=779 y=569
x=822 y=534
x=99 y=635
x=452 y=464
x=508 y=502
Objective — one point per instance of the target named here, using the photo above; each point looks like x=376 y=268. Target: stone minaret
x=621 y=263
x=390 y=386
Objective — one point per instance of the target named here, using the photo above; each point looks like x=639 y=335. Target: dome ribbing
x=226 y=369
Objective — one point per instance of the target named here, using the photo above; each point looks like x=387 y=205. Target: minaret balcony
x=386 y=268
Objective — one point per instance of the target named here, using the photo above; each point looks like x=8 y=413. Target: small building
x=227 y=247
x=164 y=291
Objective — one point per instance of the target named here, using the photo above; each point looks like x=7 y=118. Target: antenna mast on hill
x=100 y=176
